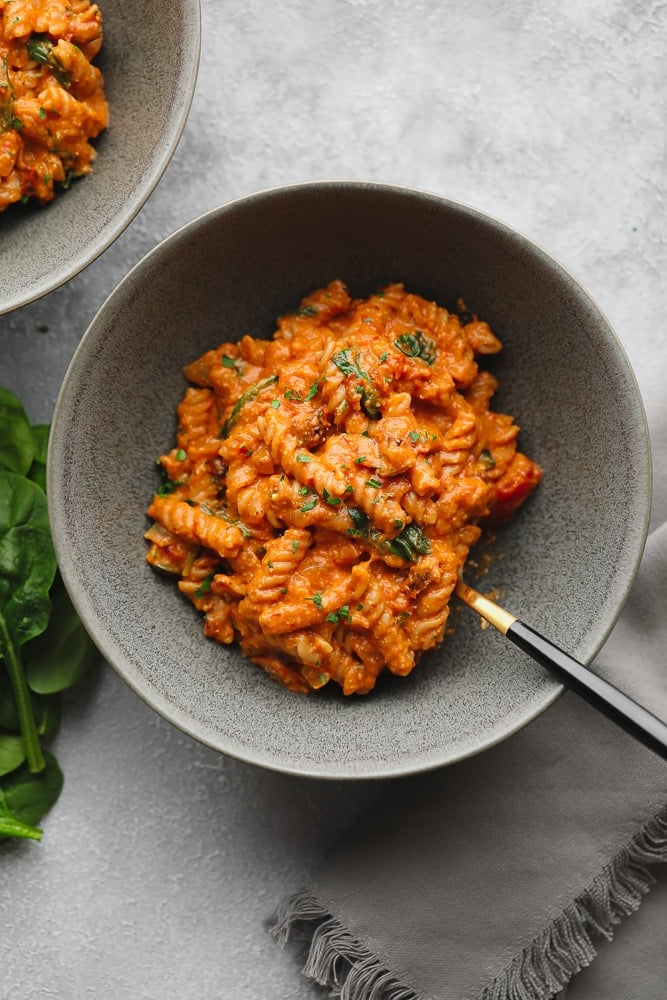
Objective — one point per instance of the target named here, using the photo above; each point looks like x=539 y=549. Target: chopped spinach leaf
x=40 y=48
x=417 y=345
x=246 y=397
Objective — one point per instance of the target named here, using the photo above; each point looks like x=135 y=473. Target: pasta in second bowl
x=57 y=103
x=566 y=561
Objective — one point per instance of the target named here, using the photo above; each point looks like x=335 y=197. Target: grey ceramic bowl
x=150 y=59
x=565 y=564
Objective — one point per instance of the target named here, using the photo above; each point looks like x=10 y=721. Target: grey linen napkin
x=498 y=878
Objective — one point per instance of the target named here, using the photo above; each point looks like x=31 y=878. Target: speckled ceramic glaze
x=565 y=565
x=149 y=59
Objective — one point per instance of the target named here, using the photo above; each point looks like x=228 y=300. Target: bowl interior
x=565 y=564
x=149 y=98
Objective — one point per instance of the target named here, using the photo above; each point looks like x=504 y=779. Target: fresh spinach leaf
x=45 y=708
x=40 y=441
x=64 y=653
x=10 y=826
x=27 y=570
x=27 y=796
x=17 y=446
x=49 y=647
x=27 y=559
x=47 y=716
x=8 y=717
x=12 y=752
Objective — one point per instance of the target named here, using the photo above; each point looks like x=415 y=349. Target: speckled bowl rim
x=71 y=266
x=181 y=720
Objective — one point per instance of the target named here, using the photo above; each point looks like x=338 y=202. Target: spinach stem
x=33 y=750
x=15 y=828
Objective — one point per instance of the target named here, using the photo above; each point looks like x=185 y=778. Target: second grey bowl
x=149 y=97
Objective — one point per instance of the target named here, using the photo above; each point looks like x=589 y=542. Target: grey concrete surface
x=162 y=859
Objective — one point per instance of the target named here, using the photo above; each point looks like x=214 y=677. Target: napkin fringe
x=336 y=959
x=567 y=945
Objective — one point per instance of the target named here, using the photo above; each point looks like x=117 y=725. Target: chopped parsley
x=204 y=586
x=167 y=485
x=343 y=614
x=332 y=501
x=228 y=362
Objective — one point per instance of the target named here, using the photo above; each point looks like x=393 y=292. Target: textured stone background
x=162 y=859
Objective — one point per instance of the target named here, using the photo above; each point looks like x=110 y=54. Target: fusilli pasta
x=51 y=96
x=326 y=485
